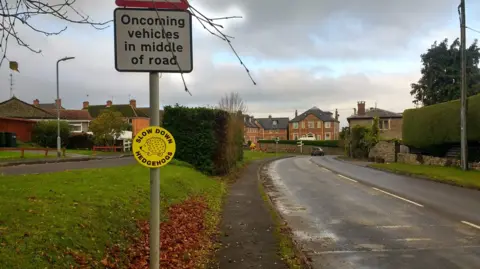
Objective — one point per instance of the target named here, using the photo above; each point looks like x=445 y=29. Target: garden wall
x=418 y=159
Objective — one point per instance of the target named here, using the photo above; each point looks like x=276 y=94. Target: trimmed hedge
x=439 y=125
x=205 y=138
x=319 y=143
x=80 y=141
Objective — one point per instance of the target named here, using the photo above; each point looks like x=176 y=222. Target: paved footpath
x=247 y=229
x=59 y=167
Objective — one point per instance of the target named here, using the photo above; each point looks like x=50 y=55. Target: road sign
x=149 y=40
x=153 y=147
x=161 y=4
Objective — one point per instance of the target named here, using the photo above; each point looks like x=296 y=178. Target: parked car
x=317 y=151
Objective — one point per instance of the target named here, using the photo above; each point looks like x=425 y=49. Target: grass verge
x=16 y=155
x=449 y=175
x=250 y=156
x=53 y=219
x=287 y=248
x=90 y=152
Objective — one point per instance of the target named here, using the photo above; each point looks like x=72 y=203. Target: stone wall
x=409 y=158
x=383 y=151
x=270 y=147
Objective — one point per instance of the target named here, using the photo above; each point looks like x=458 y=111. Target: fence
x=22 y=150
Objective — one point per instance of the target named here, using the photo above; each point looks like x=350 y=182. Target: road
x=59 y=167
x=342 y=223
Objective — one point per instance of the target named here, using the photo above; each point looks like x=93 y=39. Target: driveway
x=59 y=167
x=342 y=223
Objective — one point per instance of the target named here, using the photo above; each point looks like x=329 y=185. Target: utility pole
x=463 y=90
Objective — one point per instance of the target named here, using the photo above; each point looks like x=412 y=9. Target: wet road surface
x=344 y=224
x=59 y=167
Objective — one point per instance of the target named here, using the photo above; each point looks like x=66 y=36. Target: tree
x=232 y=103
x=441 y=73
x=45 y=133
x=108 y=126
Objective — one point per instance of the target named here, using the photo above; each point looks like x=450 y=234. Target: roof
x=146 y=111
x=269 y=123
x=376 y=112
x=15 y=119
x=317 y=112
x=16 y=108
x=126 y=110
x=71 y=114
x=49 y=106
x=249 y=121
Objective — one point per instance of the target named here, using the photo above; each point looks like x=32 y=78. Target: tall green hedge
x=439 y=124
x=317 y=143
x=202 y=138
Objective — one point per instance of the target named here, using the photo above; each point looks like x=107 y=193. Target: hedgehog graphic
x=154 y=146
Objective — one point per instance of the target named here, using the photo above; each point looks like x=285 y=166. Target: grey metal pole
x=154 y=178
x=463 y=99
x=59 y=140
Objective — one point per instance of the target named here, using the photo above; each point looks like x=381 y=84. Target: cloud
x=328 y=54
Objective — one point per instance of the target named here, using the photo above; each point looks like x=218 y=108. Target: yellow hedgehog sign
x=153 y=147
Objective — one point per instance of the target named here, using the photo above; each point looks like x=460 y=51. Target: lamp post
x=59 y=141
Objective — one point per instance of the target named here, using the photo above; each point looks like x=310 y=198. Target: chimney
x=354 y=111
x=109 y=103
x=361 y=108
x=36 y=102
x=336 y=114
x=269 y=116
x=58 y=103
x=85 y=104
x=296 y=113
x=133 y=103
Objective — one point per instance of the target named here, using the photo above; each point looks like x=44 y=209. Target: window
x=274 y=123
x=327 y=136
x=270 y=131
x=311 y=124
x=310 y=135
x=384 y=124
x=295 y=136
x=295 y=125
x=319 y=124
x=319 y=137
x=303 y=125
x=276 y=131
x=76 y=127
x=327 y=124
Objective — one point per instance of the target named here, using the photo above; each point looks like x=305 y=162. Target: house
x=16 y=108
x=273 y=128
x=314 y=124
x=21 y=127
x=251 y=130
x=390 y=123
x=137 y=117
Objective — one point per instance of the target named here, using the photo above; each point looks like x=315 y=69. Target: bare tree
x=232 y=103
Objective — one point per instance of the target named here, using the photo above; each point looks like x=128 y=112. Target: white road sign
x=153 y=40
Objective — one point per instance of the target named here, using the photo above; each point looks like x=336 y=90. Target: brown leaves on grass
x=183 y=238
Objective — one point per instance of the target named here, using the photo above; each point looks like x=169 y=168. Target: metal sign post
x=154 y=41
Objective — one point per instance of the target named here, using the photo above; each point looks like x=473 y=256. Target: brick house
x=390 y=123
x=272 y=128
x=251 y=130
x=315 y=124
x=16 y=108
x=139 y=118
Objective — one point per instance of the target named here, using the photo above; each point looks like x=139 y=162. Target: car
x=317 y=151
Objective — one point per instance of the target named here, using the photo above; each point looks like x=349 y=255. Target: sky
x=324 y=53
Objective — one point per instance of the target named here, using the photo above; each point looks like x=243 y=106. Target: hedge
x=318 y=143
x=206 y=138
x=439 y=124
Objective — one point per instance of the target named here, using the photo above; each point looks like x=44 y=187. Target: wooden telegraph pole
x=463 y=89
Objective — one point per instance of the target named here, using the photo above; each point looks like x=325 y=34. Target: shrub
x=320 y=143
x=209 y=139
x=80 y=141
x=433 y=126
x=44 y=133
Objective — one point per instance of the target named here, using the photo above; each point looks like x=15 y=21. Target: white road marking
x=470 y=224
x=347 y=178
x=413 y=239
x=325 y=169
x=398 y=197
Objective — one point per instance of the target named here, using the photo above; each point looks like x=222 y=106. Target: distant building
x=314 y=123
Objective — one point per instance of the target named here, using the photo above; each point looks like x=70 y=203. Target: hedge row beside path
x=440 y=124
x=319 y=143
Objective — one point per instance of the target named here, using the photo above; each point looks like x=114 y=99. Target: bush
x=45 y=133
x=319 y=143
x=437 y=125
x=209 y=139
x=80 y=141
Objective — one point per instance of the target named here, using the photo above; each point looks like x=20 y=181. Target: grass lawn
x=45 y=217
x=15 y=155
x=249 y=156
x=451 y=175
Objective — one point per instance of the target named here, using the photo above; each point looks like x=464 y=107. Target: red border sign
x=162 y=4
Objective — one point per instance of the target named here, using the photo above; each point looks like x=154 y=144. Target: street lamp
x=59 y=141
